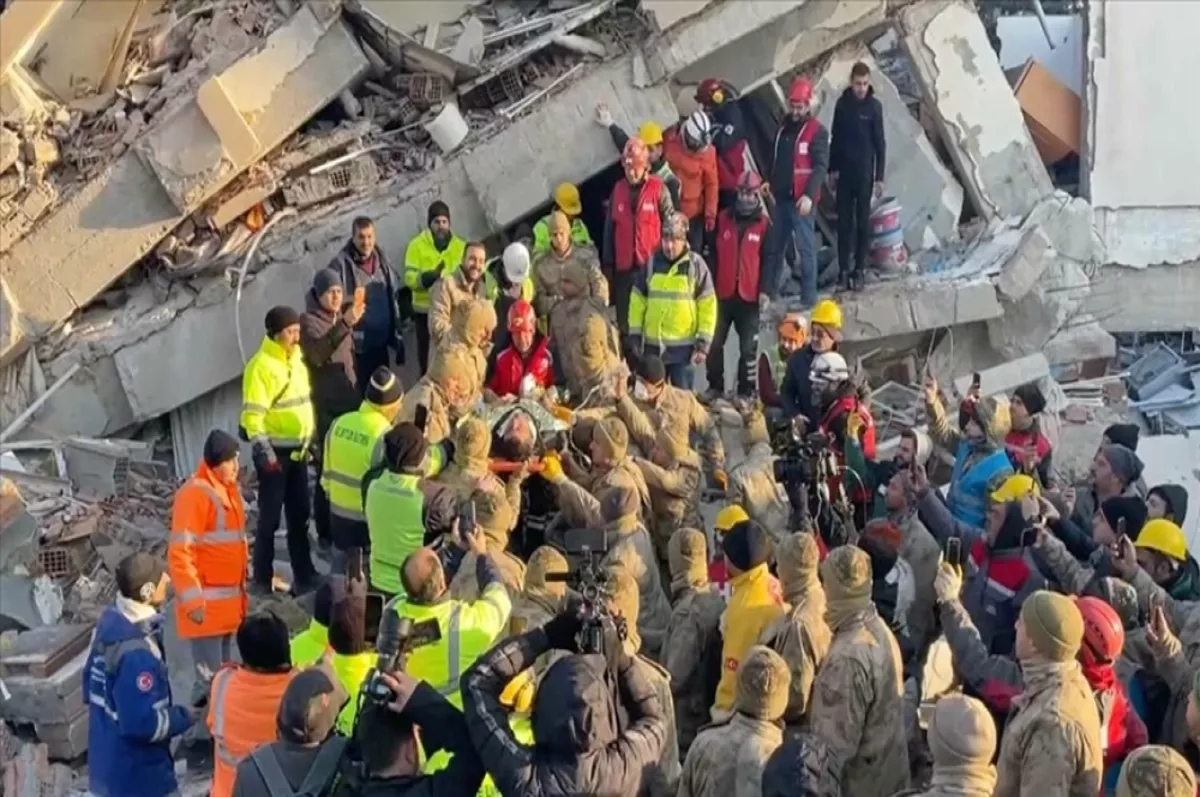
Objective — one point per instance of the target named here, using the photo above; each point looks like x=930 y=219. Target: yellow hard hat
x=1165 y=537
x=827 y=314
x=1014 y=488
x=729 y=517
x=566 y=196
x=651 y=134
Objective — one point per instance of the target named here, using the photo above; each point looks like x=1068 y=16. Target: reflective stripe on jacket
x=739 y=257
x=241 y=716
x=421 y=257
x=354 y=445
x=492 y=287
x=276 y=397
x=802 y=164
x=541 y=234
x=636 y=231
x=673 y=305
x=207 y=554
x=395 y=510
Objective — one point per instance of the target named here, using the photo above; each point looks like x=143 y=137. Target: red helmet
x=636 y=156
x=521 y=317
x=801 y=91
x=1103 y=633
x=710 y=92
x=750 y=181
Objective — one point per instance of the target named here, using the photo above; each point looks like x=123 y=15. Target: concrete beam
x=973 y=105
x=1141 y=237
x=930 y=196
x=1156 y=299
x=666 y=13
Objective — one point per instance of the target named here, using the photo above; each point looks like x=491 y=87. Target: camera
x=796 y=451
x=398 y=636
x=590 y=582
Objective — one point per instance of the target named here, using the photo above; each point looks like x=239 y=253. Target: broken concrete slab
x=665 y=13
x=1069 y=224
x=1141 y=237
x=12 y=338
x=930 y=196
x=1021 y=271
x=1029 y=322
x=1084 y=339
x=1007 y=377
x=1158 y=299
x=973 y=106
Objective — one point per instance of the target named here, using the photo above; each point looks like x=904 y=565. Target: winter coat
x=923 y=554
x=752 y=486
x=581 y=749
x=581 y=362
x=1179 y=665
x=957 y=781
x=802 y=638
x=727 y=760
x=674 y=498
x=662 y=777
x=691 y=654
x=427 y=394
x=548 y=268
x=381 y=322
x=1051 y=744
x=857 y=144
x=633 y=550
x=753 y=606
x=796 y=394
x=512 y=367
x=697 y=173
x=681 y=412
x=857 y=710
x=328 y=346
x=449 y=292
x=465 y=586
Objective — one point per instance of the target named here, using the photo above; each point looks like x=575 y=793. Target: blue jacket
x=131 y=719
x=970 y=484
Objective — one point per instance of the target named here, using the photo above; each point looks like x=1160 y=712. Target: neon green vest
x=778 y=366
x=541 y=234
x=353 y=445
x=522 y=729
x=395 y=510
x=422 y=257
x=309 y=645
x=670 y=307
x=351 y=671
x=492 y=287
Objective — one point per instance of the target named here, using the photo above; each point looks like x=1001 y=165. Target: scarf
x=841 y=611
x=965 y=779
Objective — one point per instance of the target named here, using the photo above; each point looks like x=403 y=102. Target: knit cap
x=1131 y=510
x=747 y=545
x=450 y=362
x=280 y=318
x=1053 y=624
x=962 y=732
x=687 y=558
x=404 y=446
x=651 y=369
x=1031 y=396
x=542 y=562
x=1124 y=434
x=611 y=436
x=325 y=279
x=846 y=574
x=384 y=388
x=1175 y=497
x=762 y=684
x=438 y=209
x=798 y=558
x=623 y=600
x=472 y=441
x=219 y=448
x=1156 y=771
x=1124 y=463
x=593 y=344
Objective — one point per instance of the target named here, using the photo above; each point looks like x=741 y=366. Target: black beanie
x=325 y=279
x=651 y=369
x=1031 y=397
x=262 y=641
x=219 y=448
x=280 y=318
x=746 y=545
x=384 y=388
x=1131 y=510
x=1124 y=434
x=438 y=208
x=1175 y=497
x=138 y=575
x=404 y=446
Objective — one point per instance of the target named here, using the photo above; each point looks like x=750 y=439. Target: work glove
x=948 y=583
x=263 y=456
x=804 y=205
x=428 y=278
x=562 y=630
x=552 y=468
x=721 y=478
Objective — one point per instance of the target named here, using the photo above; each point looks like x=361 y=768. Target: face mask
x=640 y=391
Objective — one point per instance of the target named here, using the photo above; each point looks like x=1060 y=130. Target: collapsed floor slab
x=1158 y=299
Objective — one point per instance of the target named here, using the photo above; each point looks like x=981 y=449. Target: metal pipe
x=1045 y=23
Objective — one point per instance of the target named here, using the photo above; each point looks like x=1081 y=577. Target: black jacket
x=382 y=323
x=858 y=146
x=328 y=347
x=796 y=391
x=580 y=749
x=783 y=160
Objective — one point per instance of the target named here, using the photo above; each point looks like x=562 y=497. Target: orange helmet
x=801 y=91
x=1103 y=633
x=521 y=317
x=793 y=327
x=636 y=156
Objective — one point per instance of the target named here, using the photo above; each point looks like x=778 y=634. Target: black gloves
x=429 y=277
x=563 y=629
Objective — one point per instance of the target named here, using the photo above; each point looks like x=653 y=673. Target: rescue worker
x=508 y=282
x=728 y=759
x=131 y=715
x=471 y=471
x=245 y=697
x=353 y=446
x=791 y=335
x=311 y=644
x=435 y=251
x=801 y=635
x=920 y=550
x=568 y=203
x=472 y=327
x=746 y=281
x=352 y=657
x=962 y=739
x=752 y=607
x=1052 y=740
x=277 y=418
x=673 y=306
x=692 y=650
x=366 y=271
x=651 y=133
x=752 y=484
x=1028 y=449
x=796 y=393
x=857 y=706
x=402 y=507
x=688 y=149
x=550 y=266
x=639 y=210
x=734 y=158
x=440 y=397
x=1162 y=553
x=585 y=348
x=726 y=519
x=327 y=344
x=1156 y=771
x=799 y=162
x=673 y=475
x=455 y=287
x=544 y=596
x=207 y=556
x=495 y=518
x=527 y=356
x=980 y=462
x=846 y=420
x=857 y=160
x=580 y=493
x=657 y=405
x=467 y=629
x=1169 y=502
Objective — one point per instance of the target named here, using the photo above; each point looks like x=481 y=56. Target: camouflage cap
x=763 y=680
x=612 y=437
x=542 y=562
x=472 y=440
x=846 y=573
x=559 y=223
x=687 y=557
x=493 y=515
x=1156 y=771
x=450 y=362
x=798 y=558
x=618 y=502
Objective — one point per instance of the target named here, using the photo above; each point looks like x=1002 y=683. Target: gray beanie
x=1124 y=463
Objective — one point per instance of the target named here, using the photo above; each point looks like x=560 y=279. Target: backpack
x=318 y=782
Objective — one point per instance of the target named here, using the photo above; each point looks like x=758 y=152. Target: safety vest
x=636 y=232
x=354 y=444
x=739 y=256
x=668 y=313
x=351 y=671
x=802 y=166
x=309 y=645
x=207 y=561
x=663 y=171
x=778 y=364
x=395 y=509
x=968 y=494
x=277 y=399
x=244 y=708
x=541 y=234
x=422 y=257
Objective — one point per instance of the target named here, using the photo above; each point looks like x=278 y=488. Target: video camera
x=398 y=637
x=590 y=582
x=796 y=451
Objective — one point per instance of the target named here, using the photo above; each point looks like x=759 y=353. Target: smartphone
x=466 y=520
x=360 y=296
x=976 y=383
x=953 y=552
x=354 y=563
x=374 y=615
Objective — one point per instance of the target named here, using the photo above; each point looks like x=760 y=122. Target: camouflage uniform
x=579 y=496
x=1156 y=771
x=495 y=519
x=449 y=292
x=962 y=736
x=471 y=329
x=430 y=393
x=679 y=411
x=583 y=340
x=922 y=552
x=728 y=760
x=674 y=491
x=752 y=484
x=540 y=600
x=801 y=635
x=548 y=270
x=857 y=711
x=470 y=470
x=693 y=640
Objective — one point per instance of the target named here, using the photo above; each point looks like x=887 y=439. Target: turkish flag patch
x=145 y=682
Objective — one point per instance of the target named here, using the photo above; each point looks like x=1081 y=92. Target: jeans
x=854 y=221
x=800 y=232
x=681 y=375
x=209 y=654
x=743 y=316
x=280 y=492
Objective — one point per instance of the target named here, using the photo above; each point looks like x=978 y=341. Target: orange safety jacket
x=207 y=555
x=242 y=711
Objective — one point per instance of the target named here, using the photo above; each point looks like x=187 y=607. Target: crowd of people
x=851 y=631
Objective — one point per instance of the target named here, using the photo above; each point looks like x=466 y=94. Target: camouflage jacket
x=682 y=413
x=662 y=779
x=802 y=638
x=1178 y=665
x=727 y=760
x=438 y=423
x=674 y=498
x=634 y=551
x=958 y=781
x=923 y=554
x=548 y=269
x=752 y=486
x=693 y=642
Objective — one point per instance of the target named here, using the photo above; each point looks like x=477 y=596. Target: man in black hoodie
x=858 y=154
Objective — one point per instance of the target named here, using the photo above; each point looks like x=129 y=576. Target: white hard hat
x=516 y=263
x=829 y=368
x=698 y=128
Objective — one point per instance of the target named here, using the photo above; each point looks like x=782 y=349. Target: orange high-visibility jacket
x=242 y=711
x=207 y=555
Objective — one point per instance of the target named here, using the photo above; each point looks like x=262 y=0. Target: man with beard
x=456 y=287
x=363 y=266
x=431 y=254
x=857 y=155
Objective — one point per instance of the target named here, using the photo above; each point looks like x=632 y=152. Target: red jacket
x=844 y=406
x=511 y=367
x=740 y=250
